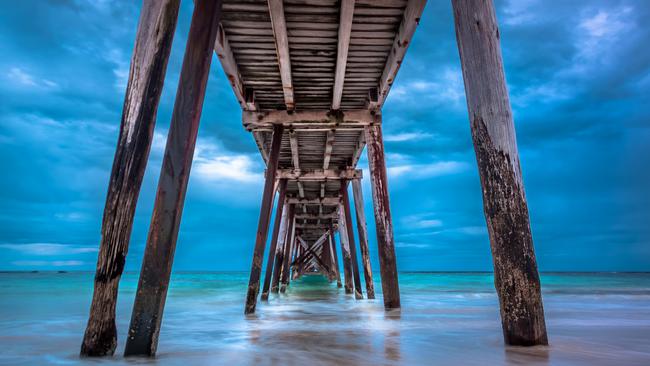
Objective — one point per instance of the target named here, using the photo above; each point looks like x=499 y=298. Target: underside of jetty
x=311 y=77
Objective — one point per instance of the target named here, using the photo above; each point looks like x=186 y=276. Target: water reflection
x=316 y=322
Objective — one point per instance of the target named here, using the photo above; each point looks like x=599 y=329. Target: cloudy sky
x=579 y=78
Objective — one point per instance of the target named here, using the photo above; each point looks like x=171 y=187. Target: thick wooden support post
x=358 y=293
x=327 y=260
x=332 y=244
x=345 y=252
x=148 y=65
x=504 y=201
x=288 y=247
x=172 y=185
x=279 y=256
x=263 y=223
x=383 y=219
x=278 y=231
x=363 y=236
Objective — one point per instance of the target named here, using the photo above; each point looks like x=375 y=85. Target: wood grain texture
x=279 y=24
x=288 y=249
x=280 y=218
x=515 y=269
x=345 y=202
x=345 y=29
x=335 y=258
x=362 y=229
x=263 y=223
x=401 y=43
x=146 y=76
x=345 y=252
x=383 y=219
x=172 y=185
x=279 y=256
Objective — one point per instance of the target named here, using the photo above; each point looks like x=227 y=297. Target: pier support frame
x=358 y=293
x=327 y=258
x=335 y=256
x=263 y=223
x=148 y=66
x=362 y=229
x=278 y=231
x=172 y=186
x=383 y=219
x=288 y=250
x=504 y=201
x=345 y=252
x=279 y=254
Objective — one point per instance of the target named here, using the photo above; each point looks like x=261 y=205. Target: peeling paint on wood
x=263 y=223
x=383 y=219
x=504 y=201
x=177 y=161
x=146 y=76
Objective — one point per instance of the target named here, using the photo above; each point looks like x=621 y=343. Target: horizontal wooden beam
x=333 y=215
x=410 y=21
x=319 y=174
x=314 y=119
x=327 y=201
x=312 y=226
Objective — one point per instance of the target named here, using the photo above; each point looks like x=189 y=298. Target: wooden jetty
x=311 y=77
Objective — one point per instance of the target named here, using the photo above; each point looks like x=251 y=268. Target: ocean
x=446 y=319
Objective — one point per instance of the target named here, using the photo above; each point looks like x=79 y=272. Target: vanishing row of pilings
x=505 y=208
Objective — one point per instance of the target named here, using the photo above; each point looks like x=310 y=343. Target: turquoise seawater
x=446 y=319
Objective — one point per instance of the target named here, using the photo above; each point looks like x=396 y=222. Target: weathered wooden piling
x=279 y=256
x=280 y=218
x=504 y=201
x=362 y=229
x=358 y=293
x=163 y=232
x=383 y=218
x=146 y=75
x=263 y=223
x=337 y=270
x=288 y=247
x=345 y=253
x=327 y=259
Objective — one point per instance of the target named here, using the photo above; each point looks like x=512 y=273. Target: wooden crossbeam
x=326 y=201
x=229 y=65
x=319 y=174
x=345 y=28
x=312 y=252
x=310 y=119
x=276 y=9
x=402 y=40
x=312 y=226
x=330 y=216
